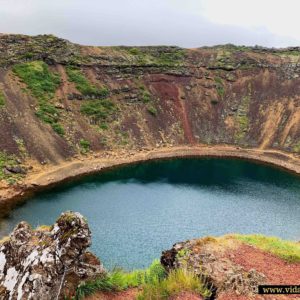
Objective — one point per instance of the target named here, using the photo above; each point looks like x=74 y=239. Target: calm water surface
x=137 y=211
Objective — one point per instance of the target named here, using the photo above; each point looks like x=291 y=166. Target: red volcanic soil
x=129 y=294
x=276 y=270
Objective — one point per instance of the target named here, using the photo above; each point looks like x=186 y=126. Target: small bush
x=84 y=145
x=152 y=110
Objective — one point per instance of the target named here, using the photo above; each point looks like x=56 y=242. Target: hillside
x=60 y=101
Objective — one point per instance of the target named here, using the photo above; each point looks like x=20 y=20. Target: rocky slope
x=58 y=99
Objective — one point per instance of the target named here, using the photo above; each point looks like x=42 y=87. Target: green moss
x=98 y=110
x=83 y=85
x=42 y=84
x=287 y=250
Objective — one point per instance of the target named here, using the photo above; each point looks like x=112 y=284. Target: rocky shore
x=43 y=177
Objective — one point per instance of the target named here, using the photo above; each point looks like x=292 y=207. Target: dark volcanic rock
x=47 y=263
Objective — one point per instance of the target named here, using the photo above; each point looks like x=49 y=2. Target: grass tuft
x=178 y=281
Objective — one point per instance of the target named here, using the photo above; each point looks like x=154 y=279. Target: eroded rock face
x=210 y=259
x=47 y=263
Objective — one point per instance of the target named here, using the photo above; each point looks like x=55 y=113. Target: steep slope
x=60 y=99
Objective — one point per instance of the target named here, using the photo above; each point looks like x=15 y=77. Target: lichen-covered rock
x=210 y=259
x=47 y=263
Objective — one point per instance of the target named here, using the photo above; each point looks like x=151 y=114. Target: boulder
x=49 y=262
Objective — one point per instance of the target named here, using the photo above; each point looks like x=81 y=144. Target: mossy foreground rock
x=49 y=262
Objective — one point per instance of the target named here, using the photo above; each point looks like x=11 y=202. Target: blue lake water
x=137 y=211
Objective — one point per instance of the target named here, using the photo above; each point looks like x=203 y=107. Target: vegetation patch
x=11 y=161
x=154 y=283
x=242 y=119
x=42 y=84
x=220 y=86
x=2 y=99
x=119 y=280
x=162 y=56
x=177 y=281
x=296 y=147
x=84 y=146
x=98 y=110
x=286 y=250
x=152 y=110
x=147 y=99
x=83 y=85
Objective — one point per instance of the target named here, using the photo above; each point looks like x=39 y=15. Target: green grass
x=177 y=281
x=2 y=99
x=119 y=280
x=83 y=85
x=287 y=250
x=154 y=283
x=42 y=84
x=40 y=81
x=98 y=110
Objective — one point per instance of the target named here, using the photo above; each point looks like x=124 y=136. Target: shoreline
x=47 y=177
